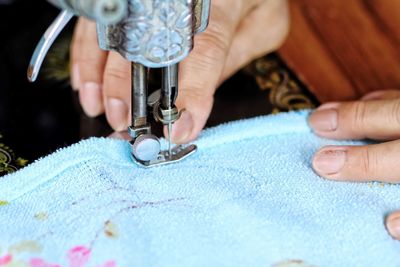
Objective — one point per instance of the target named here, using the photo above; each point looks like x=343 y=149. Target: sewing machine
x=150 y=34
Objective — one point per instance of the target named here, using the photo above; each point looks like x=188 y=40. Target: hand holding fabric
x=377 y=117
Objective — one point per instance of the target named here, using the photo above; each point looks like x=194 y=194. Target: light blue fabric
x=247 y=198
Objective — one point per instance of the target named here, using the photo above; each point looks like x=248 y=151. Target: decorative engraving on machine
x=154 y=33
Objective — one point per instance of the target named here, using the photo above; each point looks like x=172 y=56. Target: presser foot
x=178 y=153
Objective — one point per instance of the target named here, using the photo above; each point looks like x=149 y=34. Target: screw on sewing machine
x=150 y=34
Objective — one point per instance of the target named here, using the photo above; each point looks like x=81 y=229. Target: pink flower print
x=78 y=256
x=36 y=262
x=108 y=264
x=5 y=260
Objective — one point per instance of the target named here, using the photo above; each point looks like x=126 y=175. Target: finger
x=89 y=63
x=360 y=163
x=117 y=91
x=378 y=120
x=261 y=32
x=393 y=224
x=382 y=95
x=200 y=73
x=74 y=53
x=121 y=136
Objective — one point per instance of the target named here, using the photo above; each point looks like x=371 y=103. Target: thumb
x=195 y=97
x=196 y=108
x=197 y=83
x=201 y=73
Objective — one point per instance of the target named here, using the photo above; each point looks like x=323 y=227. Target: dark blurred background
x=38 y=118
x=34 y=118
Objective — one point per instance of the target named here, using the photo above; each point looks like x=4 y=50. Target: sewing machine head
x=150 y=34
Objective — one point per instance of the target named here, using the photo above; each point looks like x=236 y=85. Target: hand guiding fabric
x=377 y=117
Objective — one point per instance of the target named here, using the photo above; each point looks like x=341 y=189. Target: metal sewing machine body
x=150 y=34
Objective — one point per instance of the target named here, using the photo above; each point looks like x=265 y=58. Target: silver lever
x=46 y=42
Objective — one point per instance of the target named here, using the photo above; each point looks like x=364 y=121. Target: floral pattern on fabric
x=78 y=256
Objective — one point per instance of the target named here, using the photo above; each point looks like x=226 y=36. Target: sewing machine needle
x=169 y=138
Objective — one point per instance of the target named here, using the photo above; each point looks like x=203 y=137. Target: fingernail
x=328 y=162
x=182 y=129
x=76 y=77
x=91 y=99
x=325 y=120
x=117 y=113
x=393 y=226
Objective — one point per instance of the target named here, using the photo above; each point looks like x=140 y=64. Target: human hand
x=376 y=116
x=239 y=31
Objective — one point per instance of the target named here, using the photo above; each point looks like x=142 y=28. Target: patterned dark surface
x=36 y=119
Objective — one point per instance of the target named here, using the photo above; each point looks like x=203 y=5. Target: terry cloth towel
x=247 y=198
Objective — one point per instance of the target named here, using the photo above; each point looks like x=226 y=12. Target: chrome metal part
x=134 y=132
x=155 y=33
x=202 y=15
x=178 y=154
x=154 y=98
x=146 y=148
x=166 y=116
x=169 y=88
x=139 y=95
x=46 y=42
x=102 y=11
x=169 y=92
x=169 y=138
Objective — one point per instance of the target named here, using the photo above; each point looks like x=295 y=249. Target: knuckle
x=358 y=110
x=89 y=60
x=197 y=95
x=90 y=68
x=369 y=162
x=208 y=58
x=213 y=44
x=218 y=35
x=228 y=11
x=395 y=114
x=80 y=28
x=117 y=73
x=76 y=44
